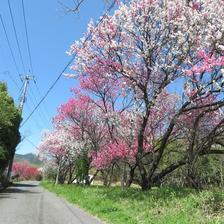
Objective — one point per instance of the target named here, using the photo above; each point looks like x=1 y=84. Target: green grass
x=157 y=206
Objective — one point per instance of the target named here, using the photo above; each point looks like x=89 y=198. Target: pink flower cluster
x=207 y=62
x=113 y=152
x=25 y=171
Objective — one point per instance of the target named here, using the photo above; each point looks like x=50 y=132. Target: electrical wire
x=12 y=79
x=9 y=44
x=29 y=52
x=16 y=36
x=40 y=95
x=48 y=91
x=34 y=101
x=27 y=37
x=38 y=125
x=64 y=69
x=30 y=142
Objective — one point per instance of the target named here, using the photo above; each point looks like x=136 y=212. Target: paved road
x=28 y=203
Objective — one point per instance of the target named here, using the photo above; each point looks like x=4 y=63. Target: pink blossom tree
x=85 y=123
x=145 y=50
x=60 y=147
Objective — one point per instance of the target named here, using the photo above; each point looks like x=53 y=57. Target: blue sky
x=51 y=32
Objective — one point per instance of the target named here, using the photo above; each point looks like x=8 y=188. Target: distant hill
x=31 y=158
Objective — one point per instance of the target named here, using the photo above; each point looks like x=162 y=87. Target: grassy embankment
x=157 y=206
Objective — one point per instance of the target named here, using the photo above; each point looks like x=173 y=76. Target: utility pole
x=26 y=80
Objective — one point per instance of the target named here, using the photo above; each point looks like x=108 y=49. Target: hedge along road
x=27 y=202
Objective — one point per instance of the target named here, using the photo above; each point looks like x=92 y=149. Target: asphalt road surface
x=28 y=203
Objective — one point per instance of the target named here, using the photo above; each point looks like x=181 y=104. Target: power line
x=16 y=36
x=48 y=91
x=34 y=101
x=40 y=95
x=38 y=125
x=30 y=142
x=41 y=115
x=10 y=47
x=11 y=77
x=13 y=80
x=65 y=68
x=27 y=38
x=29 y=52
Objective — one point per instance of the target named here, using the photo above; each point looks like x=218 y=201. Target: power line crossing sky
x=50 y=32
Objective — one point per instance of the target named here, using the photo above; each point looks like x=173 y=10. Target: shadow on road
x=24 y=185
x=18 y=188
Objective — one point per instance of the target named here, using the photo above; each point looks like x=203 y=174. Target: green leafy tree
x=10 y=118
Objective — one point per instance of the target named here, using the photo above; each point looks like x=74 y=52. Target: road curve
x=28 y=203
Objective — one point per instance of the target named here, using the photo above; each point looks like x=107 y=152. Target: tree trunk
x=9 y=170
x=131 y=177
x=145 y=185
x=70 y=177
x=57 y=176
x=111 y=175
x=123 y=176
